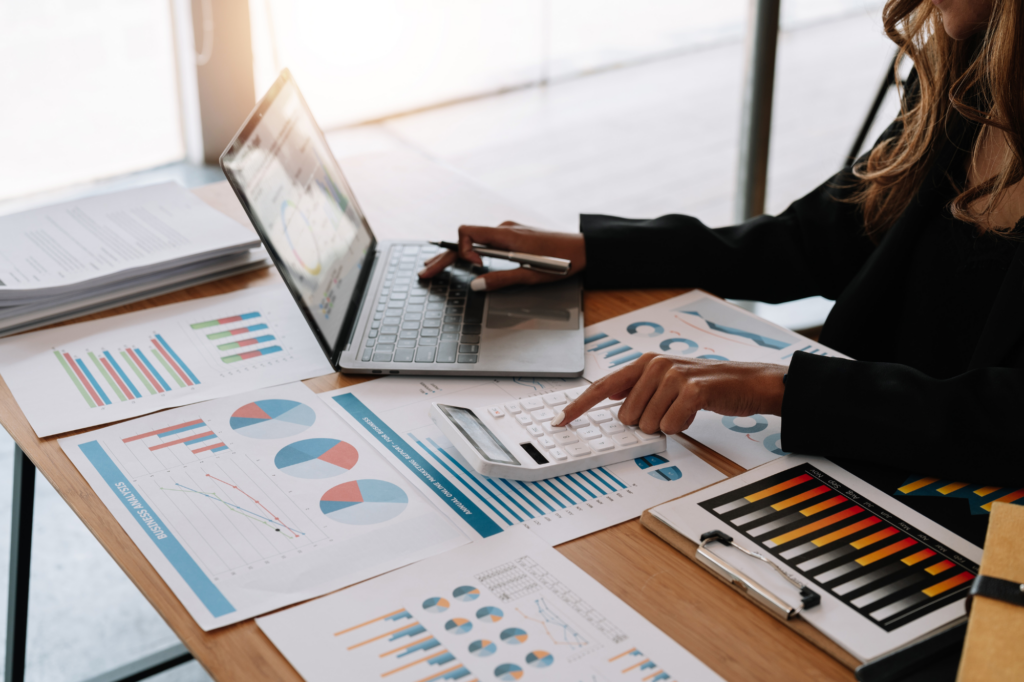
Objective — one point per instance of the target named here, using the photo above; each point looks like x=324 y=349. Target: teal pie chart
x=760 y=424
x=272 y=419
x=364 y=502
x=483 y=648
x=539 y=659
x=679 y=345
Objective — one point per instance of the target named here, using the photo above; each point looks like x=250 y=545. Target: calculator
x=516 y=439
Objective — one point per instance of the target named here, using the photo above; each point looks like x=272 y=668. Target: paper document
x=700 y=325
x=505 y=609
x=392 y=413
x=250 y=503
x=119 y=367
x=51 y=250
x=886 y=574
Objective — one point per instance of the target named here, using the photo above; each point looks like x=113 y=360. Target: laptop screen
x=292 y=188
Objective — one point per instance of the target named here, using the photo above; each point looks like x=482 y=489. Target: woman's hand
x=511 y=236
x=664 y=393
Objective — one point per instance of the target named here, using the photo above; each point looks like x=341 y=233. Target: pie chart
x=316 y=458
x=539 y=659
x=491 y=613
x=508 y=672
x=272 y=419
x=364 y=502
x=436 y=605
x=482 y=648
x=466 y=593
x=458 y=626
x=514 y=636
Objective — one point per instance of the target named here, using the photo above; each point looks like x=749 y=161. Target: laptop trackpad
x=547 y=306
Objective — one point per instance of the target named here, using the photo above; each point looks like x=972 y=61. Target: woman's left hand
x=664 y=393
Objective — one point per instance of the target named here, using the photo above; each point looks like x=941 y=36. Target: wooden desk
x=731 y=635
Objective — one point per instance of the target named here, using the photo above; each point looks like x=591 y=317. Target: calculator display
x=486 y=443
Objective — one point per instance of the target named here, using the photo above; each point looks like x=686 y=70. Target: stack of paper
x=69 y=259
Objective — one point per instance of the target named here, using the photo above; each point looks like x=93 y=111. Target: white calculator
x=516 y=439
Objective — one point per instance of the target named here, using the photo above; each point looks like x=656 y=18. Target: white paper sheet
x=700 y=325
x=886 y=574
x=111 y=236
x=507 y=608
x=393 y=414
x=119 y=367
x=254 y=502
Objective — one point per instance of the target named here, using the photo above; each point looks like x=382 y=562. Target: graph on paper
x=880 y=566
x=125 y=373
x=237 y=337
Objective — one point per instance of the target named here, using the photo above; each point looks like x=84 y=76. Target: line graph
x=557 y=629
x=230 y=514
x=269 y=520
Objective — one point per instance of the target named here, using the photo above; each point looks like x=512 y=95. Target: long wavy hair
x=980 y=80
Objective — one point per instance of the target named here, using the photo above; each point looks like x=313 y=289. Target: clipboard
x=690 y=549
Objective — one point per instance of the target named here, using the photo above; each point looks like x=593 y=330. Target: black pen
x=546 y=264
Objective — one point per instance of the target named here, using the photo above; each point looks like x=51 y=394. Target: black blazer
x=872 y=410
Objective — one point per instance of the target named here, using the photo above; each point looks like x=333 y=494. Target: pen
x=547 y=264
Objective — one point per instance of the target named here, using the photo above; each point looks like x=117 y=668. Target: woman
x=918 y=243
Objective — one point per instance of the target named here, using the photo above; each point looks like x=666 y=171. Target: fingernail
x=420 y=273
x=557 y=419
x=478 y=284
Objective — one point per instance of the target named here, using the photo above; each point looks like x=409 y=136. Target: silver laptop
x=361 y=297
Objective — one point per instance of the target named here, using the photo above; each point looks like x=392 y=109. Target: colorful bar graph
x=150 y=371
x=201 y=441
x=174 y=361
x=115 y=389
x=979 y=497
x=95 y=385
x=129 y=386
x=251 y=354
x=245 y=342
x=73 y=374
x=225 y=320
x=878 y=565
x=235 y=332
x=138 y=372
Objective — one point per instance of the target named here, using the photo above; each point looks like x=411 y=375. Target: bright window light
x=89 y=91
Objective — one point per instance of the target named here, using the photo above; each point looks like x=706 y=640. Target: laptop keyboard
x=424 y=321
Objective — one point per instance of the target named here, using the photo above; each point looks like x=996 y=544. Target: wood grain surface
x=731 y=635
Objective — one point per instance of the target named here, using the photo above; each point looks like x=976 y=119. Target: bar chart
x=247 y=338
x=104 y=377
x=171 y=445
x=877 y=564
x=979 y=497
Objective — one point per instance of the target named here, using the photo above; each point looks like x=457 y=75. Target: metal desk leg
x=21 y=560
x=17 y=591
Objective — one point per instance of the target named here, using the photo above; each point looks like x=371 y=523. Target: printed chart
x=979 y=497
x=116 y=368
x=228 y=513
x=701 y=326
x=879 y=566
x=886 y=574
x=393 y=414
x=392 y=628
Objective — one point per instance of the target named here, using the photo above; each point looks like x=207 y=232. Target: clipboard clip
x=755 y=591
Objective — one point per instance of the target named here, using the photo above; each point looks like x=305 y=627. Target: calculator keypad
x=597 y=432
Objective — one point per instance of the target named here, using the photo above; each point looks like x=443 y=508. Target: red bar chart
x=879 y=565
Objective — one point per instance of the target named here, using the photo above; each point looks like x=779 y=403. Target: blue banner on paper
x=424 y=470
x=208 y=593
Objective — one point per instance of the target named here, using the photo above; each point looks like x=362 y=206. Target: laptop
x=362 y=297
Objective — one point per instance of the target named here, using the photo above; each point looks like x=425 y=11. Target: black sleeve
x=815 y=247
x=964 y=428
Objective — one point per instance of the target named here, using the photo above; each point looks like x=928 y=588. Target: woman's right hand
x=511 y=236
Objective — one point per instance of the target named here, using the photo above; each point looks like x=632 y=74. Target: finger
x=681 y=414
x=643 y=391
x=500 y=279
x=437 y=264
x=466 y=251
x=657 y=406
x=617 y=382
